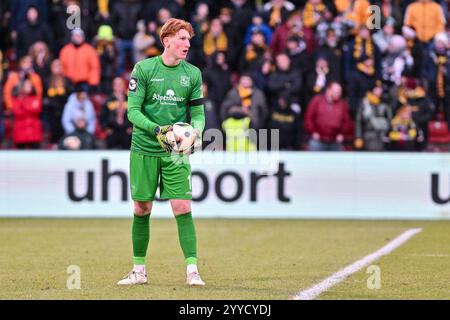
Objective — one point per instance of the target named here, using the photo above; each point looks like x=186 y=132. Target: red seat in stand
x=438 y=132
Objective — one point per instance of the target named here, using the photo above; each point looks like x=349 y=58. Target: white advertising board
x=234 y=185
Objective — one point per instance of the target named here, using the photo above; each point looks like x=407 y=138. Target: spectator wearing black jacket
x=41 y=56
x=403 y=133
x=413 y=95
x=212 y=120
x=296 y=50
x=105 y=46
x=114 y=120
x=234 y=44
x=56 y=93
x=317 y=79
x=200 y=23
x=254 y=56
x=437 y=72
x=362 y=67
x=284 y=80
x=80 y=138
x=19 y=10
x=176 y=7
x=332 y=51
x=242 y=12
x=64 y=17
x=288 y=123
x=218 y=78
x=32 y=30
x=358 y=49
x=4 y=16
x=360 y=81
x=416 y=50
x=124 y=16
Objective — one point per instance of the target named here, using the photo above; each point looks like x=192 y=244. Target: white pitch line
x=314 y=291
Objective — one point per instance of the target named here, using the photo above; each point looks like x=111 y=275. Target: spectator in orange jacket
x=16 y=78
x=80 y=61
x=356 y=11
x=426 y=17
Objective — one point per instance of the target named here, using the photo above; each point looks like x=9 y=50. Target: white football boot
x=193 y=279
x=134 y=277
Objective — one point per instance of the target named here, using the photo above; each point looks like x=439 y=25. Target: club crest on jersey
x=185 y=81
x=132 y=86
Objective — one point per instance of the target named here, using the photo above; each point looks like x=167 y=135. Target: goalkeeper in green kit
x=162 y=91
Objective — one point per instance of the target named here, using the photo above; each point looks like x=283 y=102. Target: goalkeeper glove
x=160 y=133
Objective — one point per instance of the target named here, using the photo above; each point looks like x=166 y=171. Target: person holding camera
x=25 y=72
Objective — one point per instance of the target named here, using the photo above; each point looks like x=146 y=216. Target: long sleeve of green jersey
x=136 y=96
x=197 y=110
x=198 y=117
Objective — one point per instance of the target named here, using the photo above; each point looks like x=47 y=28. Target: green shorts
x=146 y=172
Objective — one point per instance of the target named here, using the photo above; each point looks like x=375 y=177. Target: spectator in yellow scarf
x=437 y=70
x=247 y=100
x=215 y=39
x=412 y=93
x=277 y=12
x=403 y=134
x=313 y=12
x=372 y=120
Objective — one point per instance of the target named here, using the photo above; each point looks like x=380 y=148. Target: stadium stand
x=290 y=48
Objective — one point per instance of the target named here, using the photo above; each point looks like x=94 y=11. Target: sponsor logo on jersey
x=169 y=98
x=132 y=85
x=185 y=81
x=156 y=79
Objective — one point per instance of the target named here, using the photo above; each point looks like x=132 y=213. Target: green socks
x=187 y=237
x=140 y=234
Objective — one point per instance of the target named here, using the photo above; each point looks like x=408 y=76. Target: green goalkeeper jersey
x=160 y=95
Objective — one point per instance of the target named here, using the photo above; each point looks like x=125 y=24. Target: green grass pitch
x=238 y=259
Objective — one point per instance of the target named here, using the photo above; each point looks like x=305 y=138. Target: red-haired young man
x=162 y=91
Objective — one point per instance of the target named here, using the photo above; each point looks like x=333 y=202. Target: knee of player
x=181 y=206
x=142 y=208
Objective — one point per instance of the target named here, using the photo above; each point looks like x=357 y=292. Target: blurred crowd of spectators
x=329 y=74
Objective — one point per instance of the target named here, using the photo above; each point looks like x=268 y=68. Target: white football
x=181 y=137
